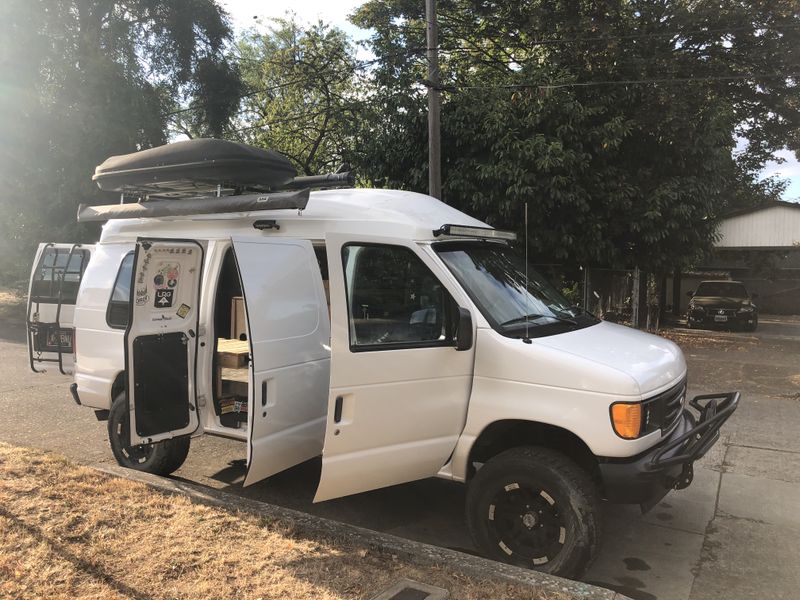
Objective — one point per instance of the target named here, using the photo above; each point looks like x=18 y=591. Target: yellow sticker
x=183 y=311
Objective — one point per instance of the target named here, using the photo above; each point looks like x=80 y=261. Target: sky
x=335 y=12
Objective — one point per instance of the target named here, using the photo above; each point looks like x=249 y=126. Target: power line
x=687 y=33
x=539 y=86
x=247 y=95
x=357 y=66
x=552 y=86
x=360 y=65
x=277 y=122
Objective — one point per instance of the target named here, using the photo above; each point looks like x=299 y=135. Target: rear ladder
x=46 y=338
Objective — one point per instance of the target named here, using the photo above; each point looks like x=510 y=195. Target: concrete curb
x=417 y=553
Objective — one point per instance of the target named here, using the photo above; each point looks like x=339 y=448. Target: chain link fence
x=627 y=296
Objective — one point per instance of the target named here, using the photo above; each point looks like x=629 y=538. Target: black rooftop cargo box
x=194 y=166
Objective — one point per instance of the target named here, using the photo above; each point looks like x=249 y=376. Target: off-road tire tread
x=581 y=487
x=167 y=457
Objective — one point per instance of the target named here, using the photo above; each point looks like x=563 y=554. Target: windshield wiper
x=583 y=311
x=523 y=319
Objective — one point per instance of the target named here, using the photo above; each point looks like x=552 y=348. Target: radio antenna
x=527 y=338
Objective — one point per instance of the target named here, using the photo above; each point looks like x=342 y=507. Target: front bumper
x=647 y=478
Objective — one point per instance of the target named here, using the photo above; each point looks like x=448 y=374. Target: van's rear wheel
x=535 y=508
x=160 y=458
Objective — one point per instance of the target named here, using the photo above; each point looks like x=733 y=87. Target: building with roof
x=760 y=247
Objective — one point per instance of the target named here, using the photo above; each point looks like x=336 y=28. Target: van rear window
x=56 y=280
x=119 y=304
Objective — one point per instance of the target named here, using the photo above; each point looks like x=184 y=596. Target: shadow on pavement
x=13 y=330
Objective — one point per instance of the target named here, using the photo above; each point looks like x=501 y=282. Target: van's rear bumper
x=646 y=478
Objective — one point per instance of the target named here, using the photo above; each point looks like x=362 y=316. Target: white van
x=392 y=334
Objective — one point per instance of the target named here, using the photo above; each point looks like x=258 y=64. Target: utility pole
x=434 y=104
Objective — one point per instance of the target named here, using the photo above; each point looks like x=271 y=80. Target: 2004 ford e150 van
x=392 y=334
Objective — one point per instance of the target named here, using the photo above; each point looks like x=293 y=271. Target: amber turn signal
x=627 y=419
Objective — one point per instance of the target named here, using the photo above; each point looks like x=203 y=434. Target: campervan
x=386 y=331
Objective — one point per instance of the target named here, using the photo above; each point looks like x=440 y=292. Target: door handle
x=337 y=409
x=264 y=392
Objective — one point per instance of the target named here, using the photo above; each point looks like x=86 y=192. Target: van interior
x=230 y=370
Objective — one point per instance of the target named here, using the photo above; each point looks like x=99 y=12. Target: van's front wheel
x=160 y=458
x=534 y=507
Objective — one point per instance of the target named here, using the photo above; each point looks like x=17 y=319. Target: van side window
x=54 y=275
x=119 y=304
x=394 y=300
x=322 y=260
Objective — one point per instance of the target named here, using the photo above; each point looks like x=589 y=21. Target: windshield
x=730 y=289
x=494 y=277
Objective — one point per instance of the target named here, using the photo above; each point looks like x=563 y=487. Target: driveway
x=734 y=533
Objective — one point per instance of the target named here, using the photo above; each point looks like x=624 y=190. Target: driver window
x=394 y=300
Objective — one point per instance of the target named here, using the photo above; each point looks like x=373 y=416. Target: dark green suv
x=722 y=303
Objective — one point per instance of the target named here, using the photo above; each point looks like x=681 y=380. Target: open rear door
x=161 y=339
x=289 y=336
x=52 y=292
x=399 y=388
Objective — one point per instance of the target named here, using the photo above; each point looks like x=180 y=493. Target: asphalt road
x=735 y=533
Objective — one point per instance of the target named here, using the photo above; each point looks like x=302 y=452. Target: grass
x=68 y=531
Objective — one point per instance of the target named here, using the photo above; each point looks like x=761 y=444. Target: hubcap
x=527 y=524
x=133 y=454
x=529 y=520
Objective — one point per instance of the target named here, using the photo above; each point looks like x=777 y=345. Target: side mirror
x=464 y=335
x=690 y=293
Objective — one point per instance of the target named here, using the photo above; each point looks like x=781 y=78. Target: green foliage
x=537 y=110
x=81 y=80
x=615 y=122
x=571 y=291
x=301 y=97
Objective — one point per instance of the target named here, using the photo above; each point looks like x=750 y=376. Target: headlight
x=626 y=417
x=746 y=309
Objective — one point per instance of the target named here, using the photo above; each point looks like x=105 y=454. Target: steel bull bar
x=714 y=410
x=646 y=478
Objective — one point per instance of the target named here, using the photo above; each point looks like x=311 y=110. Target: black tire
x=160 y=458
x=535 y=508
x=754 y=326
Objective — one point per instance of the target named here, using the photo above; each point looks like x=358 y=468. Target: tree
x=86 y=79
x=615 y=121
x=300 y=97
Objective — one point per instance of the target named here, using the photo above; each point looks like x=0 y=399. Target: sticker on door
x=164 y=298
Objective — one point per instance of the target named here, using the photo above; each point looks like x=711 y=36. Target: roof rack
x=207 y=176
x=195 y=206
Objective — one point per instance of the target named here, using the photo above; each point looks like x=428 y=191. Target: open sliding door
x=161 y=339
x=289 y=336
